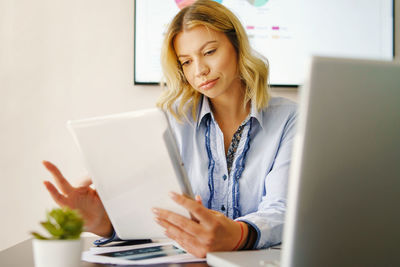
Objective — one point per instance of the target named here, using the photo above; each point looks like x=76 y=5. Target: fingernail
x=157 y=220
x=173 y=195
x=155 y=211
x=166 y=233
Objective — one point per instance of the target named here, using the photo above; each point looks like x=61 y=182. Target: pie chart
x=183 y=3
x=257 y=2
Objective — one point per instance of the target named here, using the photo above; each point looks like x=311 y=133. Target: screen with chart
x=286 y=32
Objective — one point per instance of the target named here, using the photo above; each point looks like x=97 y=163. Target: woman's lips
x=208 y=84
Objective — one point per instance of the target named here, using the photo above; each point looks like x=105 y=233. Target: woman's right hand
x=83 y=198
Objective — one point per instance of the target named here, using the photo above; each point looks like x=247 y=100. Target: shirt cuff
x=255 y=228
x=106 y=240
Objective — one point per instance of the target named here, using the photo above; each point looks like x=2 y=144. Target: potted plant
x=63 y=248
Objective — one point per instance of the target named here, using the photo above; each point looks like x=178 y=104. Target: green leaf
x=73 y=227
x=58 y=215
x=52 y=229
x=39 y=236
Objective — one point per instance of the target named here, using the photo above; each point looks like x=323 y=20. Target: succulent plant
x=62 y=223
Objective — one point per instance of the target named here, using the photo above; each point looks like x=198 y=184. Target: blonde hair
x=252 y=69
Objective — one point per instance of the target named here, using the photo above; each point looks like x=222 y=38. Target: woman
x=234 y=140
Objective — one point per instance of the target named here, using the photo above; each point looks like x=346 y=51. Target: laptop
x=344 y=191
x=134 y=162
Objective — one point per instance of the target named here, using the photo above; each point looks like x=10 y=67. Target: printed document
x=144 y=254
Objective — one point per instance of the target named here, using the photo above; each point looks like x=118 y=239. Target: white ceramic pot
x=60 y=253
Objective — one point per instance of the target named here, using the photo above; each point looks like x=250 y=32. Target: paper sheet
x=151 y=253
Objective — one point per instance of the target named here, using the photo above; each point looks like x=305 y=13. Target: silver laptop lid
x=344 y=190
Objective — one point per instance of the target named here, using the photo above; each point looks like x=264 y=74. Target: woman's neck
x=230 y=109
x=229 y=112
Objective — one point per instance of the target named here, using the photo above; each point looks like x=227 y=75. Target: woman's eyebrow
x=201 y=47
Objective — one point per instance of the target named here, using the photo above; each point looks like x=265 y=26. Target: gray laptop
x=344 y=192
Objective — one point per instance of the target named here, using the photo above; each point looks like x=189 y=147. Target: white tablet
x=134 y=163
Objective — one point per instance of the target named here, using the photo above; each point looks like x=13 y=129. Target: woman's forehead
x=191 y=40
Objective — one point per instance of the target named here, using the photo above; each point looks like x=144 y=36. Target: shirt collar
x=257 y=115
x=205 y=109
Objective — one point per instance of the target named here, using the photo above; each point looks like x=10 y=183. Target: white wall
x=59 y=60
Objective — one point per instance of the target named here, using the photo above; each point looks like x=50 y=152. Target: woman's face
x=209 y=61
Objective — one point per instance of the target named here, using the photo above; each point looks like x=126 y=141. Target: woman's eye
x=210 y=52
x=185 y=63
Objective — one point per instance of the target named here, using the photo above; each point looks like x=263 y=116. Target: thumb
x=85 y=181
x=198 y=199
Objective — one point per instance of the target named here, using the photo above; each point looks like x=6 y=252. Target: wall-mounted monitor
x=286 y=32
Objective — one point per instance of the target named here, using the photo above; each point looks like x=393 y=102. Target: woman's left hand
x=207 y=231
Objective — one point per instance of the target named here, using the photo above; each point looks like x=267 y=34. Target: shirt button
x=223 y=208
x=224 y=177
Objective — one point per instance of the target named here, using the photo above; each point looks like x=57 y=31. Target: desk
x=21 y=255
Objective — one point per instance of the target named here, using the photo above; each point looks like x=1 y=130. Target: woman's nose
x=202 y=69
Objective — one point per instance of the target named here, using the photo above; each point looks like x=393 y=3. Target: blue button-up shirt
x=255 y=191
